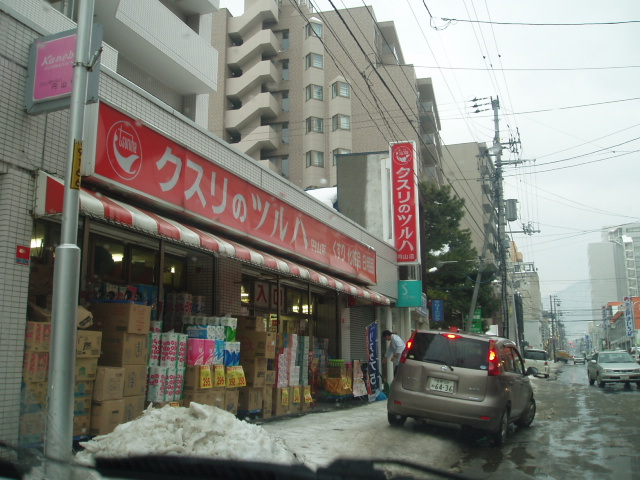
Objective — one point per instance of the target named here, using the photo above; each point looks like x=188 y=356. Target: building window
x=341 y=122
x=341 y=89
x=314 y=60
x=286 y=136
x=314 y=92
x=285 y=101
x=285 y=40
x=315 y=124
x=315 y=159
x=339 y=151
x=314 y=29
x=285 y=70
x=284 y=166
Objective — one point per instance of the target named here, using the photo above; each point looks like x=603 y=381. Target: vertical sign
x=405 y=202
x=604 y=318
x=628 y=316
x=437 y=310
x=373 y=372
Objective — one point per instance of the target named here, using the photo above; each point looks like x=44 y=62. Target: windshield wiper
x=440 y=362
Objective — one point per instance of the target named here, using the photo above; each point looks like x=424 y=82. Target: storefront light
x=117 y=257
x=36 y=242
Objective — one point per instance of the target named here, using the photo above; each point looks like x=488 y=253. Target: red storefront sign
x=405 y=202
x=137 y=159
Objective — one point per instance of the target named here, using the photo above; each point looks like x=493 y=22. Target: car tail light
x=407 y=347
x=451 y=336
x=494 y=362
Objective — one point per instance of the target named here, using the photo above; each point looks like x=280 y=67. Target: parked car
x=615 y=366
x=538 y=358
x=635 y=353
x=579 y=359
x=462 y=380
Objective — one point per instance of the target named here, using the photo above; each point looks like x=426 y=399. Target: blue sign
x=373 y=370
x=437 y=310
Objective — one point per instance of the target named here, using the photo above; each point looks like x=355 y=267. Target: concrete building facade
x=298 y=87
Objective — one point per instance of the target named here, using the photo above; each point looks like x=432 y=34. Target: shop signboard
x=136 y=159
x=405 y=202
x=50 y=71
x=437 y=310
x=409 y=293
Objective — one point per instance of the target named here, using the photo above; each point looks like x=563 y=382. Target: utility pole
x=496 y=149
x=553 y=330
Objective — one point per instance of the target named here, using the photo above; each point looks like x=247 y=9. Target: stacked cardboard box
x=125 y=337
x=35 y=384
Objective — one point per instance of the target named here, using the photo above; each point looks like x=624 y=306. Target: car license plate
x=624 y=377
x=441 y=385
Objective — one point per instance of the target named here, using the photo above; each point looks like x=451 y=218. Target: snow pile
x=199 y=431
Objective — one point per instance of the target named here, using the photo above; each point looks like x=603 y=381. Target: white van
x=534 y=357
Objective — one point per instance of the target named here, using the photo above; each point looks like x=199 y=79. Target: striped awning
x=49 y=200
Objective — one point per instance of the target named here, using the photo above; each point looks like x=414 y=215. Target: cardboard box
x=106 y=416
x=255 y=371
x=38 y=337
x=209 y=397
x=32 y=423
x=85 y=318
x=267 y=402
x=256 y=344
x=34 y=393
x=35 y=366
x=250 y=399
x=173 y=403
x=270 y=377
x=252 y=324
x=121 y=317
x=133 y=407
x=88 y=343
x=231 y=401
x=86 y=368
x=120 y=348
x=135 y=380
x=281 y=401
x=82 y=405
x=109 y=383
x=83 y=388
x=81 y=425
x=196 y=380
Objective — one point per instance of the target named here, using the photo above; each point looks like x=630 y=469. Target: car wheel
x=396 y=420
x=500 y=437
x=528 y=415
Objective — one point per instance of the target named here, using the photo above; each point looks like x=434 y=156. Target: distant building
x=297 y=89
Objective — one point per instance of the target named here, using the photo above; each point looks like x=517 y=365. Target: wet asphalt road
x=580 y=432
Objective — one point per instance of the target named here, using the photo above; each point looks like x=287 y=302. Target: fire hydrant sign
x=405 y=202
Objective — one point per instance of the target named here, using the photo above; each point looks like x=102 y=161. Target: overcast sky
x=569 y=93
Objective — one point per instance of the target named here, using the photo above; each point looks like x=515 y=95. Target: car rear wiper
x=440 y=362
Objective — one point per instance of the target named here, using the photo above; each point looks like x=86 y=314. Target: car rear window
x=535 y=355
x=456 y=351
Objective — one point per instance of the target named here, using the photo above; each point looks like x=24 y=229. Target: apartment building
x=299 y=87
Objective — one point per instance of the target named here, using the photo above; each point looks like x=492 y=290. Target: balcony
x=262 y=105
x=259 y=12
x=263 y=137
x=263 y=72
x=196 y=7
x=160 y=44
x=262 y=44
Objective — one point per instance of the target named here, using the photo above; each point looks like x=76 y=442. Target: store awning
x=49 y=199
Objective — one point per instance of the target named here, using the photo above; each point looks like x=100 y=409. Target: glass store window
x=173 y=276
x=144 y=264
x=109 y=262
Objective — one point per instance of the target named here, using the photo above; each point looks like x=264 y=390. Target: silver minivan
x=459 y=380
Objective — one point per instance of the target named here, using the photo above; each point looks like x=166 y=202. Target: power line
x=527 y=24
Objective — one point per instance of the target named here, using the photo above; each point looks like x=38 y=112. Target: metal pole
x=59 y=422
